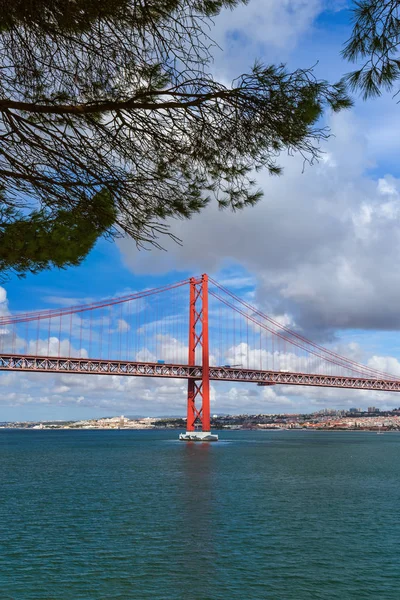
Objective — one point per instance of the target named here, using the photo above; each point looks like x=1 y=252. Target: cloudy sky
x=319 y=251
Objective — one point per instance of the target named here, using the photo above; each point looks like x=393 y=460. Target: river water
x=123 y=515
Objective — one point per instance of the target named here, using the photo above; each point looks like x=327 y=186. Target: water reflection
x=198 y=508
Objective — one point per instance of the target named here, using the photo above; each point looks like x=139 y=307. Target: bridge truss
x=50 y=364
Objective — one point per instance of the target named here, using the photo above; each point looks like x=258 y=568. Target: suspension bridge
x=195 y=329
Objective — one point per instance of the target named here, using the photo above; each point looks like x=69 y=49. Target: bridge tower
x=198 y=398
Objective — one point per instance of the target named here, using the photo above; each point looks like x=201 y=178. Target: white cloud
x=261 y=27
x=54 y=347
x=4 y=311
x=322 y=245
x=387 y=364
x=122 y=326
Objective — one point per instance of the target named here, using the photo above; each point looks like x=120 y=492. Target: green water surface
x=123 y=515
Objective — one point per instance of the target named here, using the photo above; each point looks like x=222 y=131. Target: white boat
x=198 y=436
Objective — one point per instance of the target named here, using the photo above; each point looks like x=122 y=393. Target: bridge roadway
x=51 y=364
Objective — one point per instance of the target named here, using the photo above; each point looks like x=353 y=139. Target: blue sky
x=320 y=250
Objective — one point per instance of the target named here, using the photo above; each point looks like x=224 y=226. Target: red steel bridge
x=195 y=329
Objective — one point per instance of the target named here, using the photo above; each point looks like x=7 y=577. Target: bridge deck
x=51 y=364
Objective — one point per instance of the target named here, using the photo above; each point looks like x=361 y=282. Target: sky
x=320 y=251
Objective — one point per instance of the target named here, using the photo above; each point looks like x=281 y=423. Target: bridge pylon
x=198 y=398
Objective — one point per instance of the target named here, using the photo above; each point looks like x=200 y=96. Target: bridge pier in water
x=198 y=398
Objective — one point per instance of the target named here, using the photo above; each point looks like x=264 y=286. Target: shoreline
x=377 y=430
